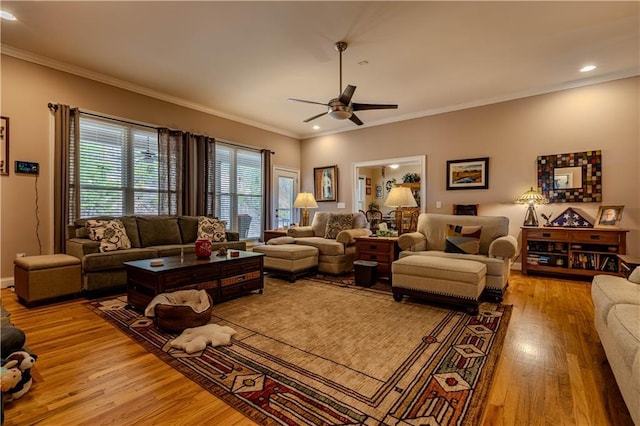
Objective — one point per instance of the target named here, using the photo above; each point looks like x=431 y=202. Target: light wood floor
x=553 y=370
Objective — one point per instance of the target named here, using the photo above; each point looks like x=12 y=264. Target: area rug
x=312 y=353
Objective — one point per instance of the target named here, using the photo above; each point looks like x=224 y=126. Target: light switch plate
x=341 y=205
x=438 y=204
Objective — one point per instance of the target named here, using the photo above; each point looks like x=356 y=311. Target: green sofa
x=151 y=237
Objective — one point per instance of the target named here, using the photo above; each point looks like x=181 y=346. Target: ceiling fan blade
x=315 y=116
x=347 y=94
x=356 y=120
x=363 y=107
x=307 y=102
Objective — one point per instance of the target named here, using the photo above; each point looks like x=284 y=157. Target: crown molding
x=102 y=78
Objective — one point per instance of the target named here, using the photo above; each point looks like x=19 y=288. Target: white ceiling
x=242 y=60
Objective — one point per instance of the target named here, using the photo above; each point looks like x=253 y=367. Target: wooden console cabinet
x=572 y=251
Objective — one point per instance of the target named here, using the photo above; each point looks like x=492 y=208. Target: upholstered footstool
x=40 y=278
x=454 y=281
x=291 y=260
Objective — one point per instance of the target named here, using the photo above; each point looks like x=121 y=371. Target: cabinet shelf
x=572 y=251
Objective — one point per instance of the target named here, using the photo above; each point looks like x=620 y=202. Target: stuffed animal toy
x=10 y=375
x=196 y=339
x=24 y=363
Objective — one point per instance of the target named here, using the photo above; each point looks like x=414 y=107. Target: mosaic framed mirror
x=571 y=178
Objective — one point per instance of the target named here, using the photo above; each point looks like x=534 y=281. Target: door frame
x=274 y=190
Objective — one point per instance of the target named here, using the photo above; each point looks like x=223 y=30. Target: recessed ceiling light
x=587 y=68
x=316 y=127
x=7 y=15
x=394 y=166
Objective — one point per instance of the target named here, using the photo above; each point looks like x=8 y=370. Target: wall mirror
x=575 y=177
x=567 y=177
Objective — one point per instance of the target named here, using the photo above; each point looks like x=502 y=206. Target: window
x=238 y=189
x=118 y=168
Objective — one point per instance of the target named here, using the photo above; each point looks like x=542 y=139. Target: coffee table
x=223 y=277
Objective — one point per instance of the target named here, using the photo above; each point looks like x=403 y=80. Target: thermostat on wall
x=27 y=167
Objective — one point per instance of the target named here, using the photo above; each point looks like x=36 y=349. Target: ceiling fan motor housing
x=339 y=111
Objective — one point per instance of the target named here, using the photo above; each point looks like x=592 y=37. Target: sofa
x=496 y=248
x=333 y=234
x=150 y=237
x=616 y=303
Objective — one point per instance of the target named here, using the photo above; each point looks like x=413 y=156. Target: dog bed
x=180 y=310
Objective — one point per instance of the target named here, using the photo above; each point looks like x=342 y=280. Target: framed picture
x=368 y=190
x=4 y=146
x=609 y=217
x=471 y=173
x=325 y=183
x=368 y=182
x=378 y=191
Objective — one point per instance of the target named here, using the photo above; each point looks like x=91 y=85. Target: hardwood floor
x=553 y=370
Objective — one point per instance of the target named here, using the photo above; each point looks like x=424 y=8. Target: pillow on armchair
x=463 y=239
x=338 y=222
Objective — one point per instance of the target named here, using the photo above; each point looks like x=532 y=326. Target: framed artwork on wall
x=609 y=217
x=368 y=182
x=378 y=191
x=4 y=146
x=325 y=183
x=470 y=173
x=574 y=177
x=368 y=190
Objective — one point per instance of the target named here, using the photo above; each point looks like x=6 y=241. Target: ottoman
x=47 y=277
x=453 y=281
x=291 y=260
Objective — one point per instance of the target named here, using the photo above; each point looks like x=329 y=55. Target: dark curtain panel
x=65 y=173
x=267 y=173
x=210 y=178
x=202 y=145
x=172 y=152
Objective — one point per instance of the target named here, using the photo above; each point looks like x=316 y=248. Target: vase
x=203 y=248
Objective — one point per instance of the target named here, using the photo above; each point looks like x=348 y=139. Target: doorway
x=286 y=184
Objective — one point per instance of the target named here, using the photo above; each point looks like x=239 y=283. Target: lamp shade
x=305 y=200
x=532 y=197
x=400 y=196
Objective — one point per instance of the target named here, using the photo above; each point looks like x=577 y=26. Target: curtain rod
x=54 y=107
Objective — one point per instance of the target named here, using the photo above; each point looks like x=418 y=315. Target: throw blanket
x=196 y=299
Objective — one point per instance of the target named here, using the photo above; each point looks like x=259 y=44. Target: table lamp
x=305 y=201
x=531 y=198
x=399 y=197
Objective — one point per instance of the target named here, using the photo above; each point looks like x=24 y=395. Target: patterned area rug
x=316 y=353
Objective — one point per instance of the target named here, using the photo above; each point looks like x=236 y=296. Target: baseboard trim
x=6 y=282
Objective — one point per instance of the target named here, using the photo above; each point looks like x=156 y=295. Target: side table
x=628 y=264
x=383 y=250
x=274 y=233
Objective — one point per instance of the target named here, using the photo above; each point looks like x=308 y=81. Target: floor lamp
x=305 y=201
x=399 y=197
x=531 y=198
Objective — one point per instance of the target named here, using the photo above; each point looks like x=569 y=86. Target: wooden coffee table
x=223 y=277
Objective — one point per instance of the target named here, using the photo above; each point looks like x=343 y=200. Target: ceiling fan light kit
x=341 y=108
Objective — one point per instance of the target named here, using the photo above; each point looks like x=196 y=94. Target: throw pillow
x=463 y=239
x=111 y=234
x=213 y=229
x=338 y=222
x=634 y=277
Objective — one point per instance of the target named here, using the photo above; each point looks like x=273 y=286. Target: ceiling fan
x=341 y=108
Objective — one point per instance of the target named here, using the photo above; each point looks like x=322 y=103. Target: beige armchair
x=333 y=234
x=497 y=248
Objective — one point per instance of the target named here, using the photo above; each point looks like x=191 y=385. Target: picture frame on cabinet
x=609 y=217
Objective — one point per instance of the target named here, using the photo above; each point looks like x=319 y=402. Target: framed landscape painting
x=325 y=183
x=470 y=173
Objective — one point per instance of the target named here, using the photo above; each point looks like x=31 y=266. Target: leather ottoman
x=47 y=277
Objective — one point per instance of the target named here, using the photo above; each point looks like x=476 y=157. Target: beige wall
x=512 y=134
x=26 y=90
